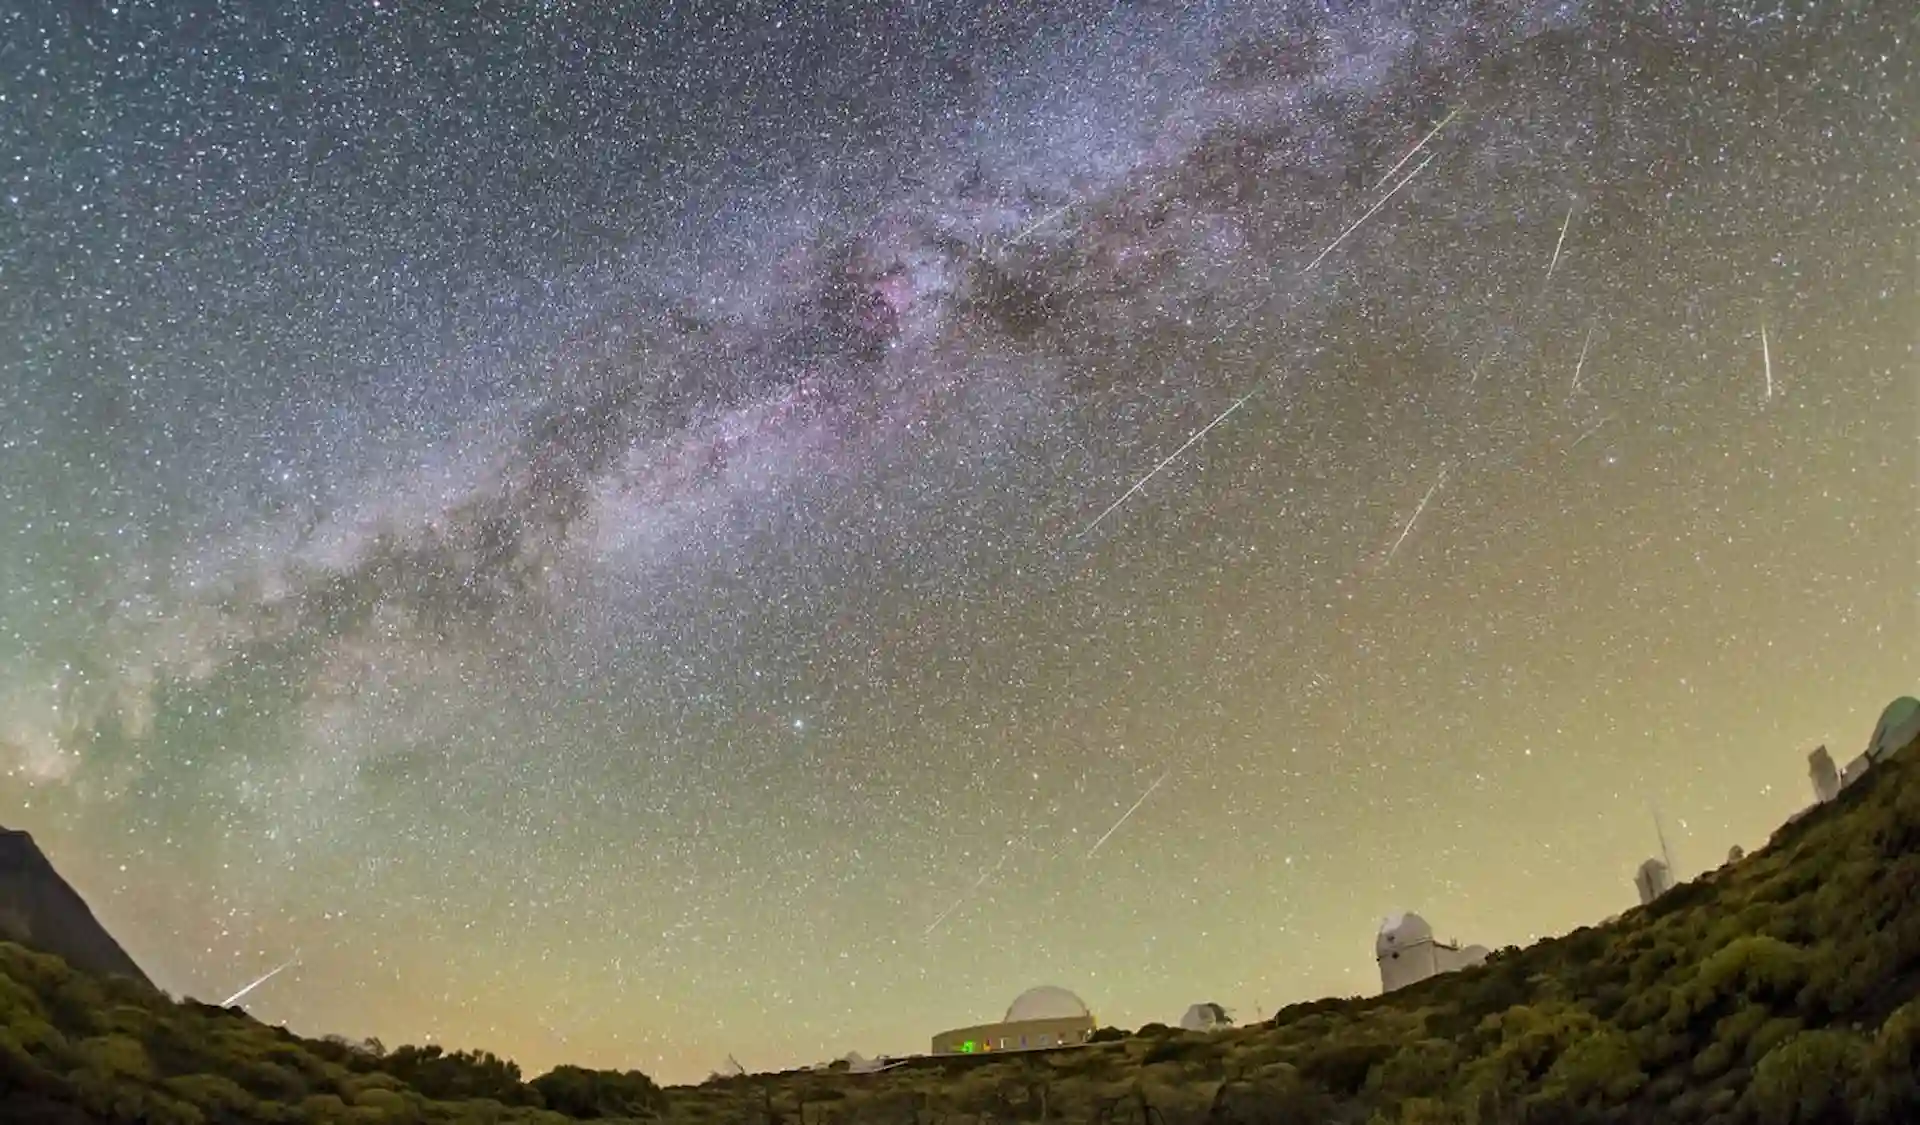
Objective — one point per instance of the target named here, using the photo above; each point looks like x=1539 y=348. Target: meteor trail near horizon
x=1125 y=816
x=1331 y=246
x=1411 y=520
x=1171 y=458
x=238 y=996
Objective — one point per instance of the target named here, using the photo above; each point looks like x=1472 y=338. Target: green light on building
x=967 y=1048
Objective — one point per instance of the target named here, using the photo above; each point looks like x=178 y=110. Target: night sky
x=594 y=532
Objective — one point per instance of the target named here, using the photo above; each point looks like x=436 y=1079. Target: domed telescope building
x=1898 y=727
x=1408 y=952
x=1206 y=1017
x=1038 y=1018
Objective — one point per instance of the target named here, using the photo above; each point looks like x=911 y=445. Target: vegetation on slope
x=76 y=1049
x=1780 y=990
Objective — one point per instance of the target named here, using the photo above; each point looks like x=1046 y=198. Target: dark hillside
x=1776 y=990
x=1781 y=988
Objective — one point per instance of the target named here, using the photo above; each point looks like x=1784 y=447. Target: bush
x=1890 y=1078
x=1806 y=1080
x=1174 y=1048
x=1764 y=970
x=1341 y=1068
x=588 y=1094
x=1598 y=1069
x=1419 y=1069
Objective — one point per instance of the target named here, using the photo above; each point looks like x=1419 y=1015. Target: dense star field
x=612 y=536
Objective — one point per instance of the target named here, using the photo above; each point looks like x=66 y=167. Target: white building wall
x=1409 y=965
x=1652 y=880
x=1407 y=952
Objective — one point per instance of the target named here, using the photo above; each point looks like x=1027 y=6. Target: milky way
x=595 y=534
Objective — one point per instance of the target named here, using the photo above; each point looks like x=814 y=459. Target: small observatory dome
x=1046 y=1003
x=1398 y=931
x=1205 y=1017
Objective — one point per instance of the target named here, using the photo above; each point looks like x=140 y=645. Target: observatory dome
x=1898 y=726
x=1398 y=931
x=1046 y=1003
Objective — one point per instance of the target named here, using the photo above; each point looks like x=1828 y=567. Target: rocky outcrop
x=38 y=909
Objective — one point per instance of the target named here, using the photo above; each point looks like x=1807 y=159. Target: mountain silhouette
x=39 y=910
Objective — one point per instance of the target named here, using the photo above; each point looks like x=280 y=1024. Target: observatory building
x=853 y=1062
x=1824 y=775
x=1206 y=1017
x=1899 y=725
x=1408 y=952
x=1037 y=1019
x=1653 y=879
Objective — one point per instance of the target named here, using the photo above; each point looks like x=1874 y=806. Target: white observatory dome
x=1398 y=931
x=1899 y=725
x=1046 y=1003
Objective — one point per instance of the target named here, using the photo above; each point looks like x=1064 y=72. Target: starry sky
x=633 y=534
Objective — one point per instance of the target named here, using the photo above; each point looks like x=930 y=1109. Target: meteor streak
x=1564 y=224
x=1370 y=213
x=1589 y=432
x=1040 y=222
x=968 y=893
x=1171 y=458
x=238 y=996
x=1766 y=359
x=1411 y=520
x=1431 y=133
x=1125 y=816
x=1580 y=364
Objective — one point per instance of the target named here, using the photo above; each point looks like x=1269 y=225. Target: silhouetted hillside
x=1777 y=990
x=40 y=911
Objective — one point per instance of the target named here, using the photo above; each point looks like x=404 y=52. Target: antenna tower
x=1666 y=852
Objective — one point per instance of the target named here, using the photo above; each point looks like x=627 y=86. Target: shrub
x=1342 y=1067
x=1890 y=1078
x=1806 y=1080
x=1419 y=1069
x=1175 y=1048
x=1764 y=970
x=1601 y=1068
x=578 y=1092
